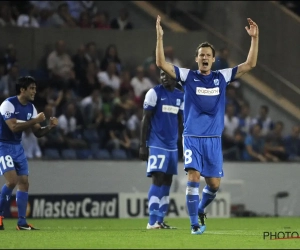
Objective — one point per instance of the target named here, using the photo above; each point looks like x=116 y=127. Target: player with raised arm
x=204 y=108
x=17 y=115
x=161 y=124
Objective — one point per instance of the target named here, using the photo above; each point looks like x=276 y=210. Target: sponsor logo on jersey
x=170 y=109
x=208 y=92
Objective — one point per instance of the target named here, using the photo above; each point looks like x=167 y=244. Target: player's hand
x=159 y=29
x=143 y=153
x=253 y=30
x=53 y=122
x=40 y=117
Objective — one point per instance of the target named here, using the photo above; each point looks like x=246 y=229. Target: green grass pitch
x=233 y=233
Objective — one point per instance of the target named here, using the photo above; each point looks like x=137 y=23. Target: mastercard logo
x=14 y=209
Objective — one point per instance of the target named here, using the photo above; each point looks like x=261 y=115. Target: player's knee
x=168 y=180
x=158 y=178
x=193 y=175
x=11 y=183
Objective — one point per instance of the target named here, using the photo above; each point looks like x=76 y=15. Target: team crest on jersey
x=28 y=116
x=177 y=102
x=7 y=114
x=216 y=82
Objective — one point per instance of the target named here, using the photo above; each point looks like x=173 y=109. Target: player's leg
x=21 y=166
x=6 y=192
x=212 y=171
x=172 y=169
x=154 y=196
x=193 y=167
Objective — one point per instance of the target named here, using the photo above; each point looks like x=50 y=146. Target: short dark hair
x=205 y=45
x=24 y=82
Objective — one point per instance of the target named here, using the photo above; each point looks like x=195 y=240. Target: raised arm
x=252 y=55
x=160 y=55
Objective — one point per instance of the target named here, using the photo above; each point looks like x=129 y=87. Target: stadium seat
x=69 y=154
x=83 y=154
x=24 y=72
x=51 y=154
x=101 y=154
x=119 y=154
x=91 y=135
x=40 y=74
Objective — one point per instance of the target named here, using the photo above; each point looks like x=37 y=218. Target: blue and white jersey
x=12 y=108
x=163 y=131
x=204 y=100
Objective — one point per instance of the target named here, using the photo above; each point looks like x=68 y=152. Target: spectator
x=6 y=19
x=70 y=128
x=122 y=22
x=232 y=98
x=133 y=127
x=254 y=146
x=245 y=119
x=101 y=21
x=46 y=10
x=90 y=7
x=230 y=143
x=292 y=144
x=170 y=57
x=125 y=79
x=30 y=144
x=110 y=77
x=89 y=81
x=9 y=80
x=10 y=57
x=91 y=54
x=54 y=139
x=275 y=143
x=221 y=60
x=62 y=17
x=263 y=120
x=28 y=18
x=117 y=134
x=108 y=97
x=91 y=107
x=149 y=60
x=153 y=74
x=75 y=9
x=60 y=65
x=4 y=92
x=111 y=55
x=84 y=20
x=80 y=62
x=140 y=83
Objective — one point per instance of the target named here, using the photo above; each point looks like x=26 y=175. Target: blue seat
x=101 y=154
x=24 y=72
x=40 y=74
x=91 y=135
x=51 y=154
x=119 y=154
x=83 y=154
x=69 y=154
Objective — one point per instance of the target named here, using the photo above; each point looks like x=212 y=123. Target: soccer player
x=17 y=115
x=160 y=126
x=204 y=107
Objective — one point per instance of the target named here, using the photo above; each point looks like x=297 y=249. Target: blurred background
x=95 y=60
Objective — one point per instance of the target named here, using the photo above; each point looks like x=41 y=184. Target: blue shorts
x=162 y=160
x=12 y=157
x=203 y=154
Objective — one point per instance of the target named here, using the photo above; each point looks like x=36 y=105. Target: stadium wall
x=120 y=188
